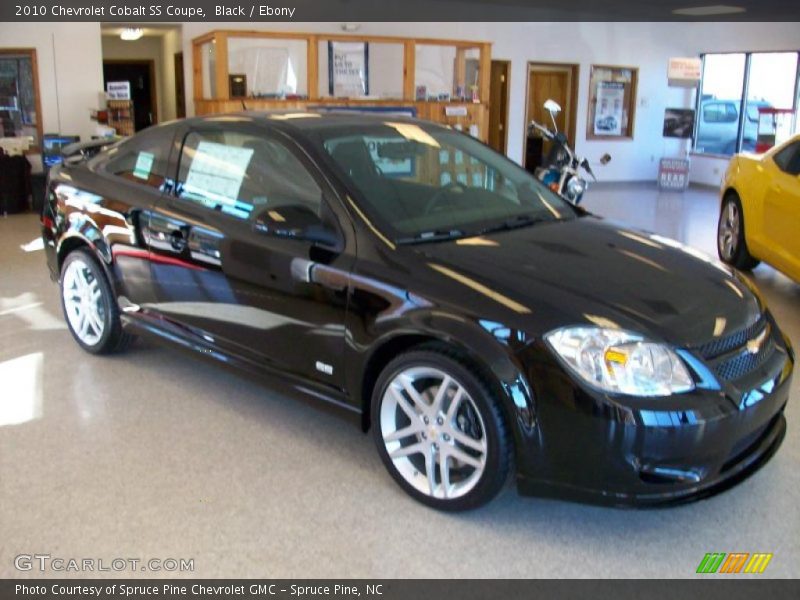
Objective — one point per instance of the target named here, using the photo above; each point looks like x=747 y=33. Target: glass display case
x=439 y=80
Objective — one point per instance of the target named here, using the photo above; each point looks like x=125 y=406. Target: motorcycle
x=561 y=169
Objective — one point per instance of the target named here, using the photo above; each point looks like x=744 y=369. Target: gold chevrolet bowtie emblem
x=754 y=345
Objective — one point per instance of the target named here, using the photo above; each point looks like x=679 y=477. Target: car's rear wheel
x=439 y=429
x=731 y=243
x=89 y=306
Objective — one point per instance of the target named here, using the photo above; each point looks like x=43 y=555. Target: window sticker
x=144 y=164
x=216 y=174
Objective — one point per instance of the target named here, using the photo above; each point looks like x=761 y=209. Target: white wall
x=647 y=46
x=70 y=72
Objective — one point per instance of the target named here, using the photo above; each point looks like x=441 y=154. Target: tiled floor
x=154 y=455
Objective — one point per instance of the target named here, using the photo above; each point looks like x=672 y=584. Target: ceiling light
x=130 y=34
x=709 y=11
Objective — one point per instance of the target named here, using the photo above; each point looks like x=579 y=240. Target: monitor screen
x=52 y=146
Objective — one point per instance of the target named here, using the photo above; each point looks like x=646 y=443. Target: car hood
x=587 y=270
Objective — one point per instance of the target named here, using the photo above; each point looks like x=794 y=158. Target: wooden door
x=498 y=105
x=141 y=76
x=551 y=81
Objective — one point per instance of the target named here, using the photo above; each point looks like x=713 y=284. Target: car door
x=782 y=209
x=130 y=179
x=253 y=252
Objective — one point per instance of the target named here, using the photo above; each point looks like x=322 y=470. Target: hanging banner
x=348 y=69
x=609 y=112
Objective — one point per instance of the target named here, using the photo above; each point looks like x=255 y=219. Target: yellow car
x=760 y=210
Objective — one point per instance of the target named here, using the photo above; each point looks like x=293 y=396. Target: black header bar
x=265 y=11
x=706 y=588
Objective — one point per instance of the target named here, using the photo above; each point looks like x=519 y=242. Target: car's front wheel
x=731 y=243
x=89 y=306
x=439 y=429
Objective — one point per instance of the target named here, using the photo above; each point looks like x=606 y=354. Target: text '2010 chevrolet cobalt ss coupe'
x=434 y=292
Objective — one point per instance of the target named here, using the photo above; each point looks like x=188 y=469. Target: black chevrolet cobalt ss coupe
x=434 y=292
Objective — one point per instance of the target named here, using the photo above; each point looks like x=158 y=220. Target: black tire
x=113 y=337
x=731 y=240
x=495 y=432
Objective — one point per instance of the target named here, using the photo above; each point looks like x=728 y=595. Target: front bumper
x=590 y=447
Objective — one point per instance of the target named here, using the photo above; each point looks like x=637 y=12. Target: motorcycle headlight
x=575 y=187
x=621 y=362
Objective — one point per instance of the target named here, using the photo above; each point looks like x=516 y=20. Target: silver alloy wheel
x=433 y=432
x=83 y=301
x=728 y=235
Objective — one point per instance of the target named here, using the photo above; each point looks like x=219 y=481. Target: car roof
x=304 y=120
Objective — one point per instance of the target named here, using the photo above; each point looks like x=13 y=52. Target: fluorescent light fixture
x=709 y=11
x=130 y=34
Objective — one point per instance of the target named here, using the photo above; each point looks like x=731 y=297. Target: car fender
x=85 y=233
x=485 y=346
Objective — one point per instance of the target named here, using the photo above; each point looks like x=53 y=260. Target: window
x=720 y=112
x=19 y=97
x=421 y=180
x=757 y=81
x=788 y=159
x=142 y=159
x=244 y=175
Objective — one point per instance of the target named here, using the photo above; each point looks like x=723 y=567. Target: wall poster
x=609 y=113
x=612 y=102
x=348 y=69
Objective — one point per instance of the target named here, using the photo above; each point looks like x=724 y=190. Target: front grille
x=729 y=356
x=722 y=345
x=742 y=364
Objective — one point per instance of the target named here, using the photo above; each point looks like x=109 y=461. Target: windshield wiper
x=515 y=223
x=434 y=235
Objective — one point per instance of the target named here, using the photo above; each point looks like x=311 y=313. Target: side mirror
x=295 y=221
x=552 y=106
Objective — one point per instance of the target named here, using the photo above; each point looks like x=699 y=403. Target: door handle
x=178 y=240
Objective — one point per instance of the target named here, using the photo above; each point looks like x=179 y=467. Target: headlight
x=620 y=361
x=575 y=187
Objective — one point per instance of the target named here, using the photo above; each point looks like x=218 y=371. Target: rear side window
x=142 y=159
x=788 y=159
x=242 y=174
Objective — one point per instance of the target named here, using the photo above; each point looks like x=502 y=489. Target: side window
x=788 y=159
x=719 y=112
x=244 y=175
x=142 y=160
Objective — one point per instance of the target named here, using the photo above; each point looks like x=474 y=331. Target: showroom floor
x=155 y=455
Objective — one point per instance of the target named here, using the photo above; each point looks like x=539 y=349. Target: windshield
x=426 y=182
